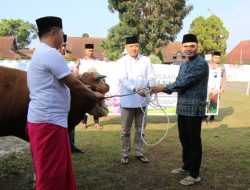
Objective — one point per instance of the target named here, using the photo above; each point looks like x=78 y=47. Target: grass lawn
x=225 y=163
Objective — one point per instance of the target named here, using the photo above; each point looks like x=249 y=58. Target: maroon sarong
x=51 y=155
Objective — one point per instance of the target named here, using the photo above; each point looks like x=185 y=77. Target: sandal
x=189 y=180
x=125 y=160
x=143 y=159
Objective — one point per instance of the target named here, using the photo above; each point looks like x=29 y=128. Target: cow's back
x=14 y=100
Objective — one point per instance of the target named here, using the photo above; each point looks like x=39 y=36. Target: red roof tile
x=7 y=43
x=27 y=52
x=9 y=54
x=170 y=50
x=8 y=49
x=240 y=54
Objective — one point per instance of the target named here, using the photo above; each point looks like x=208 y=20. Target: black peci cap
x=132 y=40
x=217 y=53
x=44 y=23
x=89 y=46
x=189 y=38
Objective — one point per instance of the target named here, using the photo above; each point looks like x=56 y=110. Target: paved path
x=240 y=87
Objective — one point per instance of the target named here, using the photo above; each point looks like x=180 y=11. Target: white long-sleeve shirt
x=134 y=73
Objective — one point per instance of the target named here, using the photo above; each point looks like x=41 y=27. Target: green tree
x=155 y=22
x=23 y=31
x=85 y=35
x=159 y=54
x=155 y=59
x=114 y=45
x=211 y=33
x=247 y=62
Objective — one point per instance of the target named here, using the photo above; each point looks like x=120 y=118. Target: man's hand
x=139 y=91
x=99 y=95
x=88 y=86
x=158 y=88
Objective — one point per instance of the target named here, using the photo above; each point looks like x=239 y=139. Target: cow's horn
x=101 y=76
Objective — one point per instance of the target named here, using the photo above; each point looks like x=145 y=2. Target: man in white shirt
x=216 y=84
x=88 y=56
x=136 y=71
x=49 y=81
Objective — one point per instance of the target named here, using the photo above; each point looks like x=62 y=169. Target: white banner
x=161 y=103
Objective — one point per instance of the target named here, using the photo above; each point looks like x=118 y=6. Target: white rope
x=150 y=101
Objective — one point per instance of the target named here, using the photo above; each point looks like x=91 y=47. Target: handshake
x=149 y=91
x=158 y=88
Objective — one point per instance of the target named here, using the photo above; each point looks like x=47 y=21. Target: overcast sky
x=94 y=18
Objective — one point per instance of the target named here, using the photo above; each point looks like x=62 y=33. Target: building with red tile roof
x=9 y=50
x=75 y=49
x=240 y=54
x=76 y=46
x=172 y=53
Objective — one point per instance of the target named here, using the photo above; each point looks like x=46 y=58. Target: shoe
x=77 y=150
x=189 y=180
x=125 y=160
x=142 y=158
x=212 y=119
x=98 y=126
x=180 y=171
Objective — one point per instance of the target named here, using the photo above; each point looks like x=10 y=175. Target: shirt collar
x=134 y=59
x=192 y=58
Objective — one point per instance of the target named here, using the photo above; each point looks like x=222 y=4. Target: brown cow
x=14 y=100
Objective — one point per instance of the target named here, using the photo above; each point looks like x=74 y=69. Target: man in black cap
x=88 y=55
x=191 y=85
x=89 y=52
x=136 y=72
x=63 y=46
x=49 y=81
x=214 y=89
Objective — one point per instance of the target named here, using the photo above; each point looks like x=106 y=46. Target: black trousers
x=190 y=137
